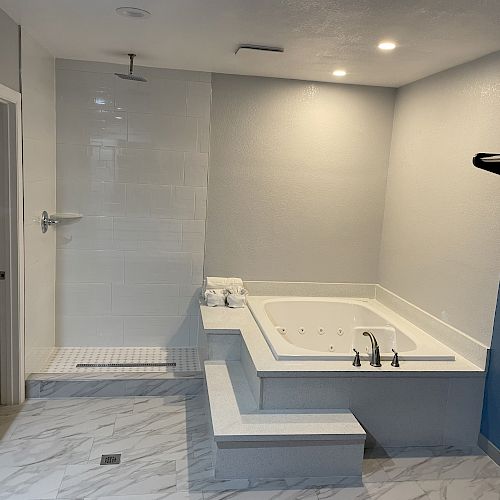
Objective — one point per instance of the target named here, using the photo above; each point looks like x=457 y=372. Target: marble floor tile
x=440 y=467
x=168 y=404
x=20 y=452
x=409 y=490
x=137 y=478
x=462 y=489
x=30 y=482
x=376 y=491
x=101 y=406
x=177 y=495
x=29 y=407
x=161 y=423
x=62 y=426
x=373 y=471
x=174 y=387
x=6 y=427
x=166 y=452
x=265 y=490
x=142 y=446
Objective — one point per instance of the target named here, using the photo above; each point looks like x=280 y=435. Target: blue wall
x=490 y=426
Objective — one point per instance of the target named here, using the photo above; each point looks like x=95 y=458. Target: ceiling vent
x=247 y=48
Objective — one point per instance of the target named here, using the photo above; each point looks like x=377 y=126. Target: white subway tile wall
x=132 y=158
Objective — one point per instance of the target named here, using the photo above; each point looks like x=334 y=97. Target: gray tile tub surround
x=398 y=411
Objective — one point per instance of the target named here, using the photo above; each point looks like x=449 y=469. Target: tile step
x=277 y=443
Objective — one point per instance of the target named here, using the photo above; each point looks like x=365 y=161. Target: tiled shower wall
x=132 y=158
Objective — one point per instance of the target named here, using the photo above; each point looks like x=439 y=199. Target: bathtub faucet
x=375 y=360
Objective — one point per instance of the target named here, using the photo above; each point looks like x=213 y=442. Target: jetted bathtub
x=317 y=328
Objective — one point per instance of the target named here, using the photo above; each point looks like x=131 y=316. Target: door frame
x=12 y=376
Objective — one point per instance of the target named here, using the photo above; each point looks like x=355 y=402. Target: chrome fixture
x=46 y=221
x=375 y=358
x=395 y=359
x=130 y=75
x=357 y=361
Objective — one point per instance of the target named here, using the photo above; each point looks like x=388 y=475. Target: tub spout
x=375 y=358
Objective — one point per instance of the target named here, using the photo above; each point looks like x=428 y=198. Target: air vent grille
x=261 y=48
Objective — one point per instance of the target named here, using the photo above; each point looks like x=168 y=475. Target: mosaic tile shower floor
x=65 y=359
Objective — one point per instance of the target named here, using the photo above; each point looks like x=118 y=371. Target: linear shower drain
x=123 y=365
x=113 y=459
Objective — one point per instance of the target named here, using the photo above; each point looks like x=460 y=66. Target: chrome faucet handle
x=357 y=361
x=395 y=359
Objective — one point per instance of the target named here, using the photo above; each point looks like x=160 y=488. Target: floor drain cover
x=113 y=459
x=123 y=365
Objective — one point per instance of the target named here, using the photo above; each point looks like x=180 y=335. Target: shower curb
x=64 y=385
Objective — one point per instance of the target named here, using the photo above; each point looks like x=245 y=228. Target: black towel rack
x=487 y=161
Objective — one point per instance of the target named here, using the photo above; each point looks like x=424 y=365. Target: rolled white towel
x=236 y=290
x=236 y=296
x=236 y=300
x=218 y=283
x=215 y=297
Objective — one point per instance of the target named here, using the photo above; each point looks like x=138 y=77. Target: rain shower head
x=130 y=75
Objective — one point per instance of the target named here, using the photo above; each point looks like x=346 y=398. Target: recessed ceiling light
x=386 y=45
x=133 y=12
x=340 y=72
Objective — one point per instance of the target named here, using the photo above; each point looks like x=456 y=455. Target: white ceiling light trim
x=386 y=45
x=133 y=12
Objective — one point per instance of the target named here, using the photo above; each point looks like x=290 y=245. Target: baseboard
x=489 y=448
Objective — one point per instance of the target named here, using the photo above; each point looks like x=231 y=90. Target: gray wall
x=297 y=179
x=441 y=237
x=39 y=175
x=9 y=53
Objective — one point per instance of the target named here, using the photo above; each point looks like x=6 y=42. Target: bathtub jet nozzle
x=375 y=357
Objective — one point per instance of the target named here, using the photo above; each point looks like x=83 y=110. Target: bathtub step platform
x=253 y=443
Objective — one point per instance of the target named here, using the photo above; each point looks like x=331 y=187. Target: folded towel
x=236 y=300
x=236 y=290
x=215 y=297
x=236 y=296
x=218 y=283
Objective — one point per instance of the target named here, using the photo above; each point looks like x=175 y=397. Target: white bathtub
x=314 y=328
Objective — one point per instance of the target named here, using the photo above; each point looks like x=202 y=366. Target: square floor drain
x=113 y=459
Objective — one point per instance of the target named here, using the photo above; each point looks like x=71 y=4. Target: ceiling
x=318 y=35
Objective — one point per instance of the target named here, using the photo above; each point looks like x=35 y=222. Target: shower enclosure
x=124 y=228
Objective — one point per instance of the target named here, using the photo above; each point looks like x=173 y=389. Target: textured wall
x=490 y=426
x=133 y=159
x=441 y=236
x=297 y=179
x=9 y=53
x=39 y=162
